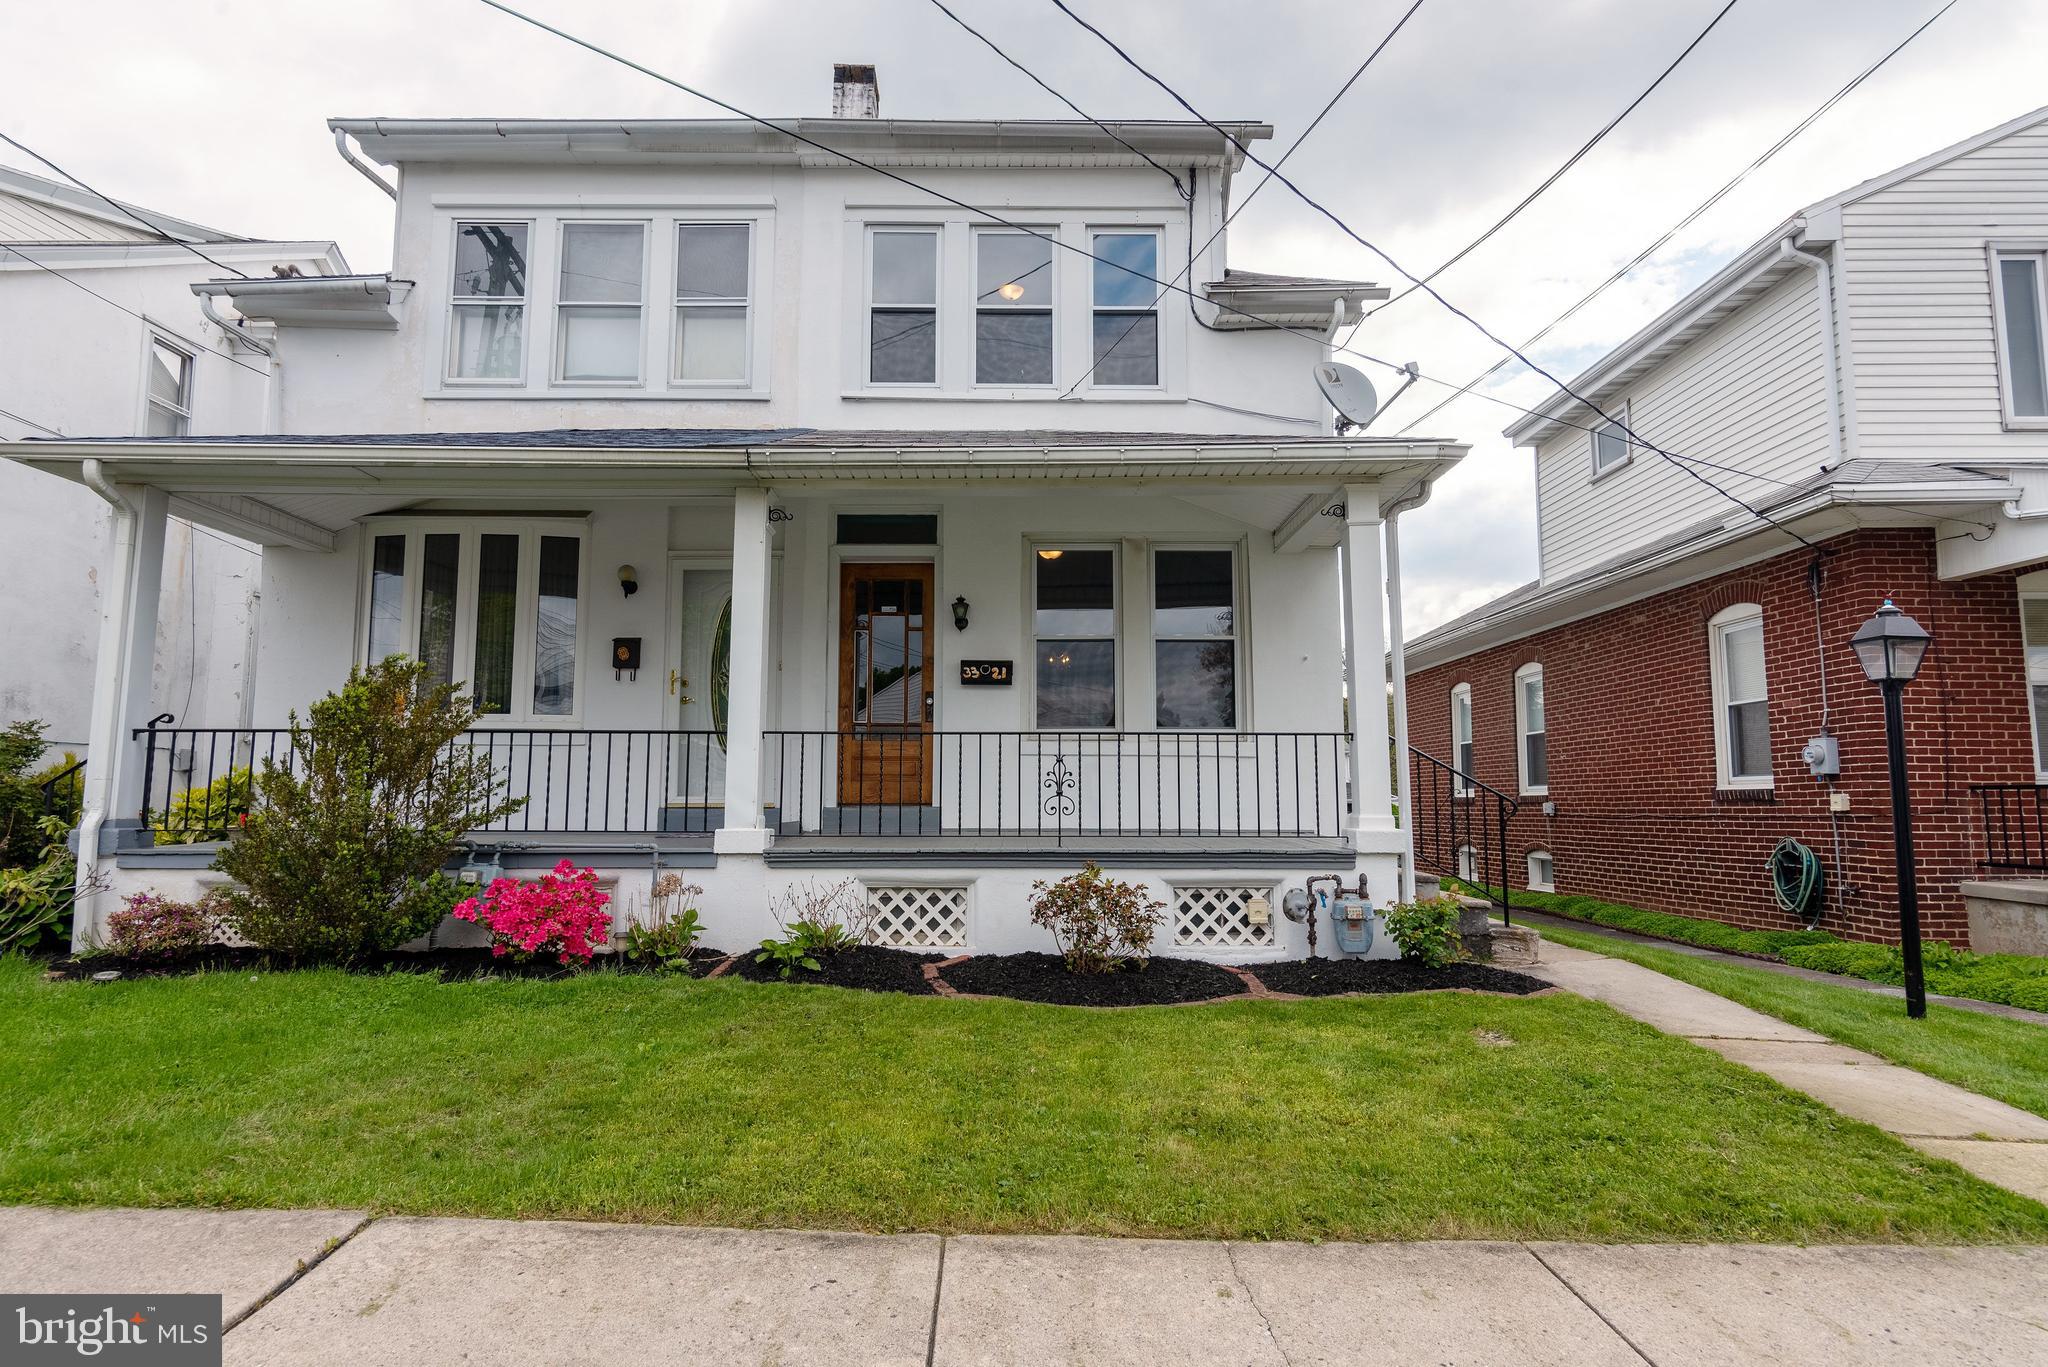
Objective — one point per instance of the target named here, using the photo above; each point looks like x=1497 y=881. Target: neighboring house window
x=491 y=603
x=2022 y=355
x=1541 y=872
x=1532 y=742
x=1194 y=631
x=598 y=303
x=1742 y=720
x=2034 y=637
x=487 y=318
x=1074 y=624
x=714 y=274
x=903 y=306
x=1013 y=327
x=170 y=389
x=1611 y=446
x=1126 y=302
x=1461 y=737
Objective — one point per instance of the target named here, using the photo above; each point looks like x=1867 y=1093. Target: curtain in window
x=497 y=616
x=554 y=645
x=440 y=562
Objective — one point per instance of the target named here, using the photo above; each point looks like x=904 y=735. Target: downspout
x=273 y=401
x=1399 y=664
x=104 y=738
x=369 y=173
x=1789 y=250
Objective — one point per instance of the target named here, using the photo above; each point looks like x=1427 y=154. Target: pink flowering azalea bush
x=560 y=913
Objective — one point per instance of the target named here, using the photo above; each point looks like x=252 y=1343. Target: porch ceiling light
x=629 y=580
x=1011 y=290
x=1050 y=553
x=1890 y=646
x=960 y=613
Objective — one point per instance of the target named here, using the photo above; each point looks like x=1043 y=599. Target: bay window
x=1532 y=748
x=714 y=294
x=487 y=305
x=2018 y=284
x=598 y=303
x=1742 y=720
x=1126 y=305
x=1074 y=626
x=1013 y=308
x=1194 y=638
x=903 y=306
x=492 y=604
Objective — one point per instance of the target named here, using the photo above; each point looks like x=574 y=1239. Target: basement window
x=1542 y=873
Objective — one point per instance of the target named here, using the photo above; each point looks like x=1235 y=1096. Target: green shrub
x=209 y=813
x=22 y=839
x=36 y=901
x=664 y=941
x=1427 y=932
x=1098 y=923
x=338 y=856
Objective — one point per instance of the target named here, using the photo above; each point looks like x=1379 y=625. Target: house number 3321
x=985 y=672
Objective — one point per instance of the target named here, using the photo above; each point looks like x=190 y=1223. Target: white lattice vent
x=918 y=917
x=1214 y=917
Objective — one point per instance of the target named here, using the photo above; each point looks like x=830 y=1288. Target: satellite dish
x=1349 y=392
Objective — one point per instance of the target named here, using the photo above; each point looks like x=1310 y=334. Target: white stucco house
x=953 y=551
x=140 y=357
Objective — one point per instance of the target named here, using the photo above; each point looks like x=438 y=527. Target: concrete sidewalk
x=1998 y=1143
x=332 y=1287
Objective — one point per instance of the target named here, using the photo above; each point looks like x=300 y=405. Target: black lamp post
x=1890 y=647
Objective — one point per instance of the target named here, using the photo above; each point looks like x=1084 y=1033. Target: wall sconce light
x=629 y=580
x=960 y=613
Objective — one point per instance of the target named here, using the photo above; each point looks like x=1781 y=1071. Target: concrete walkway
x=333 y=1287
x=1999 y=1143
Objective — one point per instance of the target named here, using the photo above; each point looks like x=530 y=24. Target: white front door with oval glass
x=698 y=689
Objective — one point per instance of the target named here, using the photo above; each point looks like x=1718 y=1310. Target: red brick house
x=1869 y=380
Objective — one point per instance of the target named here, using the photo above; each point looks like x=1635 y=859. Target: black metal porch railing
x=1058 y=785
x=2015 y=825
x=1459 y=825
x=198 y=781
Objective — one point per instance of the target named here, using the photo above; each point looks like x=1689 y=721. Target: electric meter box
x=1823 y=756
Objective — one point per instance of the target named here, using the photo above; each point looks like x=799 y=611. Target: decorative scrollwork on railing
x=1059 y=787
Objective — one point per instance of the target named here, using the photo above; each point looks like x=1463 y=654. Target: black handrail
x=1454 y=813
x=2015 y=823
x=48 y=787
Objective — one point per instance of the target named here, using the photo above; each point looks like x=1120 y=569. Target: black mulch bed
x=1044 y=978
x=450 y=964
x=1329 y=977
x=870 y=968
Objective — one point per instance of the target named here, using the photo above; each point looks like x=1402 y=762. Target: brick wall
x=1629 y=712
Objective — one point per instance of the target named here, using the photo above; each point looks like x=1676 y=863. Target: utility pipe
x=1790 y=250
x=103 y=739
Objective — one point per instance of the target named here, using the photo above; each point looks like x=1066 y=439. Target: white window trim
x=1628 y=454
x=677 y=307
x=2031 y=586
x=937 y=233
x=1532 y=670
x=556 y=343
x=1032 y=546
x=1240 y=699
x=151 y=336
x=1159 y=321
x=470 y=529
x=1548 y=884
x=453 y=301
x=974 y=307
x=1996 y=252
x=1462 y=693
x=1718 y=626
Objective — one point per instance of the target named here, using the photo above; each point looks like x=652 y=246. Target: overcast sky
x=214 y=111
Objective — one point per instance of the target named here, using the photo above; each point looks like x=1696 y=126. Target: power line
x=77 y=284
x=1675 y=229
x=1569 y=163
x=117 y=204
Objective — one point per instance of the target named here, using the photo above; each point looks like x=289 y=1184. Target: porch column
x=1372 y=801
x=122 y=674
x=744 y=831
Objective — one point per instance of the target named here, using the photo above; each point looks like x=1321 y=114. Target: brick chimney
x=854 y=92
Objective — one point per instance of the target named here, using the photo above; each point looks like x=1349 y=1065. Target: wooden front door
x=885 y=685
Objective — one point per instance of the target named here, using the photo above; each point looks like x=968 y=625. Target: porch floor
x=969 y=848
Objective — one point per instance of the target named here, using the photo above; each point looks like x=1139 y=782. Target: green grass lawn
x=638 y=1098
x=2002 y=1058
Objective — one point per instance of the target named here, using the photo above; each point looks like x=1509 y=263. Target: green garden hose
x=1796 y=880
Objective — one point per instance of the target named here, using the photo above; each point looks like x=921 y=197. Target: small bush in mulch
x=450 y=964
x=1044 y=978
x=1330 y=977
x=870 y=968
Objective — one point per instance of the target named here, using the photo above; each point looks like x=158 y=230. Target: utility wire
x=30 y=422
x=1569 y=162
x=1675 y=229
x=118 y=205
x=77 y=284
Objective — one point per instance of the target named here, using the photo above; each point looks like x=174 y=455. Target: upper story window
x=487 y=311
x=714 y=271
x=490 y=602
x=1074 y=628
x=1013 y=308
x=1532 y=749
x=1742 y=713
x=903 y=306
x=1194 y=638
x=1611 y=446
x=170 y=389
x=599 y=301
x=1461 y=737
x=1126 y=304
x=2023 y=359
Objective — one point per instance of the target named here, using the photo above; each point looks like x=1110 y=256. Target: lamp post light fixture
x=1890 y=647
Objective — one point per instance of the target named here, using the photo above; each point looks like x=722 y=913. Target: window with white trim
x=1532 y=740
x=1468 y=864
x=1542 y=872
x=2019 y=280
x=903 y=306
x=1194 y=638
x=1074 y=626
x=599 y=297
x=487 y=303
x=1461 y=737
x=2034 y=641
x=1612 y=448
x=714 y=293
x=1013 y=308
x=1125 y=352
x=490 y=602
x=170 y=389
x=1742 y=716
